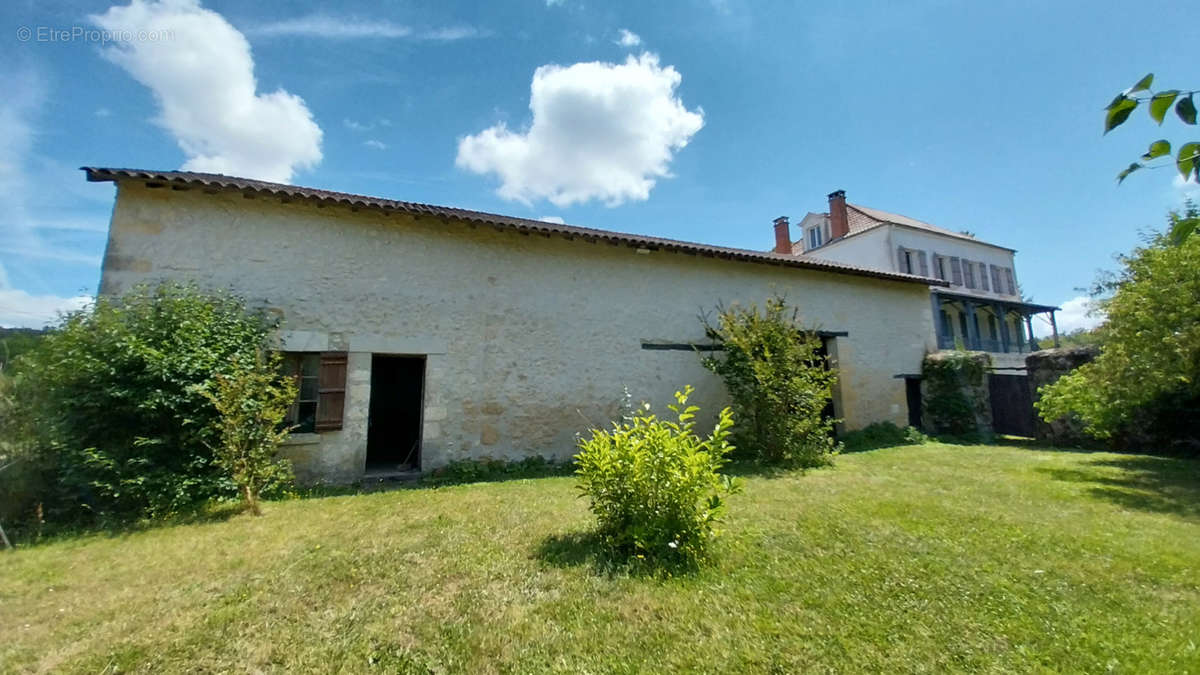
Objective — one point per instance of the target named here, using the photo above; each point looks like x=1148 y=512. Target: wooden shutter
x=902 y=261
x=956 y=271
x=983 y=277
x=331 y=391
x=923 y=259
x=968 y=269
x=1008 y=278
x=996 y=279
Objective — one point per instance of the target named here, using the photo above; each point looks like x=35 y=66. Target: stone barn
x=425 y=334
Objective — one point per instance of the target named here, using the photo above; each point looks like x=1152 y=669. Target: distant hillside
x=17 y=341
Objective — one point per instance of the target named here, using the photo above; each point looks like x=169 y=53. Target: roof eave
x=245 y=185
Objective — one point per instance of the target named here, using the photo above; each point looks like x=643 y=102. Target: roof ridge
x=918 y=224
x=524 y=225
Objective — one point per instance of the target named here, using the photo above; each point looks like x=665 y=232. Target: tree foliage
x=1187 y=159
x=253 y=401
x=1080 y=337
x=655 y=486
x=16 y=341
x=110 y=409
x=779 y=383
x=1144 y=387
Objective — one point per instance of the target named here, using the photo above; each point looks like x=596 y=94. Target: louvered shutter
x=331 y=391
x=1008 y=278
x=996 y=279
x=956 y=271
x=902 y=261
x=968 y=269
x=983 y=277
x=923 y=259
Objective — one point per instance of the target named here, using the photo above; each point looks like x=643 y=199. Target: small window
x=814 y=237
x=939 y=267
x=305 y=367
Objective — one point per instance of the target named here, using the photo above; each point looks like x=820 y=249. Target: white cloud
x=1188 y=189
x=557 y=220
x=25 y=94
x=103 y=112
x=37 y=223
x=323 y=26
x=203 y=78
x=23 y=221
x=1078 y=312
x=350 y=28
x=452 y=33
x=355 y=125
x=19 y=309
x=601 y=131
x=628 y=38
x=374 y=144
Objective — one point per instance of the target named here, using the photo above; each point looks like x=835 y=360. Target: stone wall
x=1044 y=367
x=528 y=339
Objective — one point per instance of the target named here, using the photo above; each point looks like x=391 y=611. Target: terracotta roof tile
x=210 y=181
x=864 y=218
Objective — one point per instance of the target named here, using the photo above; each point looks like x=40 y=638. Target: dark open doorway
x=912 y=392
x=394 y=425
x=823 y=352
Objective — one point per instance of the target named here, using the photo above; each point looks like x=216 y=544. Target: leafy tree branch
x=1187 y=158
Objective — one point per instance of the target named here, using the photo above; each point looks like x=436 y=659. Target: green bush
x=1143 y=389
x=252 y=401
x=882 y=435
x=109 y=406
x=779 y=383
x=22 y=479
x=655 y=485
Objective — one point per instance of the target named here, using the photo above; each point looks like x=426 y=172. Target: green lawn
x=926 y=558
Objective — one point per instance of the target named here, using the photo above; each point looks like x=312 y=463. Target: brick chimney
x=839 y=221
x=783 y=236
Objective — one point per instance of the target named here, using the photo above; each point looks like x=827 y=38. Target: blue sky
x=983 y=116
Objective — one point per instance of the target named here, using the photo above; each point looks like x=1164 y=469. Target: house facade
x=980 y=309
x=422 y=335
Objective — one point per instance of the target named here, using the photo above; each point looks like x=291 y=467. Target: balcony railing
x=985 y=345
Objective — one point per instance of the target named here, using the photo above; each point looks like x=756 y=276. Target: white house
x=425 y=334
x=982 y=308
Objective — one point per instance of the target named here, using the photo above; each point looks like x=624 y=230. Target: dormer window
x=814 y=237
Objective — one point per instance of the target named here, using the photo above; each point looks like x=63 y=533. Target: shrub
x=110 y=403
x=779 y=383
x=1143 y=390
x=954 y=396
x=253 y=401
x=22 y=479
x=655 y=485
x=882 y=435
